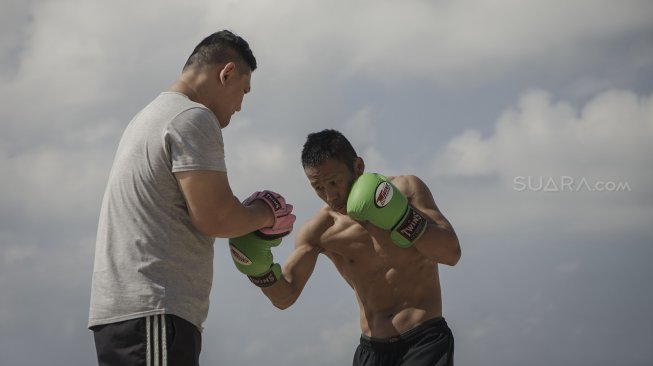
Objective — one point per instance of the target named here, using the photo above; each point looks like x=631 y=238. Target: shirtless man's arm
x=439 y=243
x=297 y=269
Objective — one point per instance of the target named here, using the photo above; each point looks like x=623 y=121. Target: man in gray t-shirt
x=166 y=200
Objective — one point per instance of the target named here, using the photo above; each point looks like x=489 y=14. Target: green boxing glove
x=375 y=199
x=252 y=255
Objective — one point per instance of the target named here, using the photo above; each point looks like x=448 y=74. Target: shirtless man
x=385 y=236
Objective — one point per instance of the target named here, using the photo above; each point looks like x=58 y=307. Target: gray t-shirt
x=149 y=258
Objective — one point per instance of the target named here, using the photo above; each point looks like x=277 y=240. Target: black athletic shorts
x=157 y=340
x=429 y=344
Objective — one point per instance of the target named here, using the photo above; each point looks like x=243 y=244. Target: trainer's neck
x=184 y=87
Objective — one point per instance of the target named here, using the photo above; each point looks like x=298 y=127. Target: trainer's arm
x=296 y=271
x=213 y=208
x=439 y=243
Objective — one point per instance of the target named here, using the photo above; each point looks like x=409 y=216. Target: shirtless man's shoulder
x=324 y=225
x=408 y=184
x=313 y=230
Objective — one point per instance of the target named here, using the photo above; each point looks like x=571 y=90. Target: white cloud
x=467 y=41
x=608 y=137
x=360 y=129
x=53 y=184
x=545 y=160
x=363 y=133
x=16 y=254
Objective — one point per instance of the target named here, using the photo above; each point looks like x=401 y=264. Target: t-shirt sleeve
x=194 y=142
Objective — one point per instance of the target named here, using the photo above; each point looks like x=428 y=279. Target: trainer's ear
x=227 y=72
x=359 y=166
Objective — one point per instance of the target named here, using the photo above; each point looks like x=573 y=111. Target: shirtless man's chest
x=396 y=288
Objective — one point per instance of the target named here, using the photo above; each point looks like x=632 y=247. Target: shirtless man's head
x=331 y=166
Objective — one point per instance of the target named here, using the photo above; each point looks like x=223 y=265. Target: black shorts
x=157 y=340
x=429 y=344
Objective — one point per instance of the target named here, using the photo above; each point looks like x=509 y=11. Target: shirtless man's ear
x=359 y=166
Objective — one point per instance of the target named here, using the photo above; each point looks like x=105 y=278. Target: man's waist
x=393 y=324
x=406 y=337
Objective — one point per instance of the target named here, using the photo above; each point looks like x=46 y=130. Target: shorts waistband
x=403 y=338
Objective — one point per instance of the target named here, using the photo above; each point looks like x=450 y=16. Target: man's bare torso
x=396 y=288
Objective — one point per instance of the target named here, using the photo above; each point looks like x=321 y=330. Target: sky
x=530 y=121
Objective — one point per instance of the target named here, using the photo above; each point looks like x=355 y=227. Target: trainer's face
x=332 y=181
x=235 y=85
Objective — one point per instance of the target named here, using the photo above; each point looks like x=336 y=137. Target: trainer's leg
x=157 y=340
x=184 y=342
x=123 y=343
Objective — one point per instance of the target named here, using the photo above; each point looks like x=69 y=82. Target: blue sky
x=530 y=121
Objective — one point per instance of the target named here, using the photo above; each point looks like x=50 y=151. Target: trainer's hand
x=375 y=199
x=283 y=217
x=252 y=256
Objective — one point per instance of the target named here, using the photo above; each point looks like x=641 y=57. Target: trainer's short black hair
x=327 y=144
x=222 y=47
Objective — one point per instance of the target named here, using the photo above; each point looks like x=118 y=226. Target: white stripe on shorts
x=156 y=350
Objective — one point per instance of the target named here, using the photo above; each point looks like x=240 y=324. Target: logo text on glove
x=413 y=226
x=272 y=199
x=266 y=280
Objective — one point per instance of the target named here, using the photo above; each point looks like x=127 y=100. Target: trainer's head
x=219 y=72
x=220 y=48
x=331 y=166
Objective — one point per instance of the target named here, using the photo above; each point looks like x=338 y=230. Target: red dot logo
x=383 y=194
